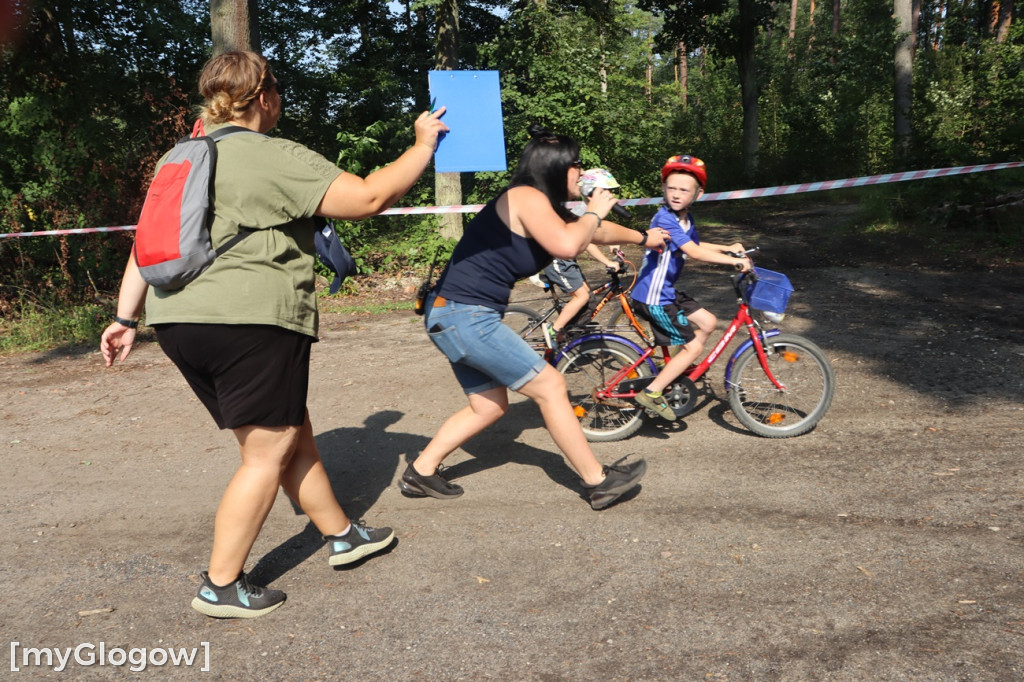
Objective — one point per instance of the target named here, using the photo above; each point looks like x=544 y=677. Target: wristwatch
x=131 y=324
x=643 y=233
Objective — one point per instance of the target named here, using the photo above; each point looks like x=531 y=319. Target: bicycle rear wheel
x=800 y=366
x=619 y=324
x=589 y=367
x=526 y=322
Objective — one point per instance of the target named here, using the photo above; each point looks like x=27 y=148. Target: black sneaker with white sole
x=360 y=541
x=417 y=485
x=618 y=480
x=240 y=599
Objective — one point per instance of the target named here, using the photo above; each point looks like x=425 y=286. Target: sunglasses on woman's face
x=576 y=164
x=281 y=87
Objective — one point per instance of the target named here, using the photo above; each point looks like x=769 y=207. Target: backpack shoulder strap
x=211 y=140
x=221 y=133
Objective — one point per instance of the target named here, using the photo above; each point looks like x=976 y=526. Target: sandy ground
x=885 y=545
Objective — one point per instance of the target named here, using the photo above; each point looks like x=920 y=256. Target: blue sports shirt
x=656 y=283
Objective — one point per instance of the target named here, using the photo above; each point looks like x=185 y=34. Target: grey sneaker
x=360 y=541
x=416 y=485
x=240 y=599
x=656 y=404
x=618 y=479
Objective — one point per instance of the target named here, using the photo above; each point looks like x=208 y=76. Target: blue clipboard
x=476 y=141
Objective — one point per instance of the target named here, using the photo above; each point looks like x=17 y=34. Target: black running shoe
x=240 y=599
x=618 y=479
x=360 y=541
x=412 y=483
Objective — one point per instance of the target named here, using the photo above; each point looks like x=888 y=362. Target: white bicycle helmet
x=594 y=178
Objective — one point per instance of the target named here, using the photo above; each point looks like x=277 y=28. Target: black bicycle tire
x=810 y=387
x=590 y=365
x=526 y=322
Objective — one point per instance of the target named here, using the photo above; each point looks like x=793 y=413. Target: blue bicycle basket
x=770 y=292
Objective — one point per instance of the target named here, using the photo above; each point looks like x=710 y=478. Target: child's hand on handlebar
x=743 y=264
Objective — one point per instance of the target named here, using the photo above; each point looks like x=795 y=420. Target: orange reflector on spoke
x=789 y=356
x=775 y=418
x=579 y=411
x=633 y=375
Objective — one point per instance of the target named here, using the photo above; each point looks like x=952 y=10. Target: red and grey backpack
x=172 y=239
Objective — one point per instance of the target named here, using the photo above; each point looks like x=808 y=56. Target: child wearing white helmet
x=566 y=274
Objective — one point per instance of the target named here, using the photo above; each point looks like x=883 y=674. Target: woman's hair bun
x=536 y=130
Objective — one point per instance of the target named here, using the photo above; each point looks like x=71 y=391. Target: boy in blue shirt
x=676 y=318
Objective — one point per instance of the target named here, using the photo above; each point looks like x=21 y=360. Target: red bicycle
x=531 y=324
x=778 y=385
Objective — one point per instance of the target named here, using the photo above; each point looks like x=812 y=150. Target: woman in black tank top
x=513 y=237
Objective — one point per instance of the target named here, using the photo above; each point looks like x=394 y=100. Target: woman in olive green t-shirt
x=241 y=332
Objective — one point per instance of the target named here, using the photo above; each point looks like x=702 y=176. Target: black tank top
x=488 y=260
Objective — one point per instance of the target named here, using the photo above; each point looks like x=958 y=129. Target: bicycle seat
x=540 y=280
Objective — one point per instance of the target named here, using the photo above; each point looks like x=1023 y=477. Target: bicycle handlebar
x=737 y=266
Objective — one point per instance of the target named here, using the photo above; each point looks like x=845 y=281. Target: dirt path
x=886 y=544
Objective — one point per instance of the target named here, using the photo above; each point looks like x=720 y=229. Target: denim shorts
x=484 y=353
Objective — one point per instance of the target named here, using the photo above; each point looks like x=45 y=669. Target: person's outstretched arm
x=613 y=233
x=351 y=197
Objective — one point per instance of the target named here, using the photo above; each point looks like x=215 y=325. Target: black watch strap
x=131 y=324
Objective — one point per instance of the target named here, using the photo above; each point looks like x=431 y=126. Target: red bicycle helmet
x=686 y=164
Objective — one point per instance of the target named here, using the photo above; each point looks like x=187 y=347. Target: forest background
x=767 y=93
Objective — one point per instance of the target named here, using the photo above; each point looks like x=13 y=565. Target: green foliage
x=95 y=92
x=83 y=118
x=39 y=328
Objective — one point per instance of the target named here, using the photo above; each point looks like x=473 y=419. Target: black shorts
x=668 y=322
x=245 y=375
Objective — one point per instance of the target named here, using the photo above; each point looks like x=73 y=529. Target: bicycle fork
x=758 y=339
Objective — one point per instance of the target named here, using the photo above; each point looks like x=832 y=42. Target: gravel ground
x=884 y=545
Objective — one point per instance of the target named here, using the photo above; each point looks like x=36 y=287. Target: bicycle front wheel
x=526 y=322
x=589 y=367
x=800 y=366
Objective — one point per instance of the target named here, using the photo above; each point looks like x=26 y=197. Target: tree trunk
x=792 y=26
x=684 y=73
x=234 y=26
x=748 y=89
x=835 y=18
x=1005 y=19
x=649 y=70
x=448 y=186
x=903 y=84
x=602 y=72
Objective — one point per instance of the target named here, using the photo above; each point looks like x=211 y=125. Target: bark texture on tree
x=448 y=186
x=903 y=83
x=234 y=26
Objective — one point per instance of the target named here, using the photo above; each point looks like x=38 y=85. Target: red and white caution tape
x=714 y=196
x=83 y=230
